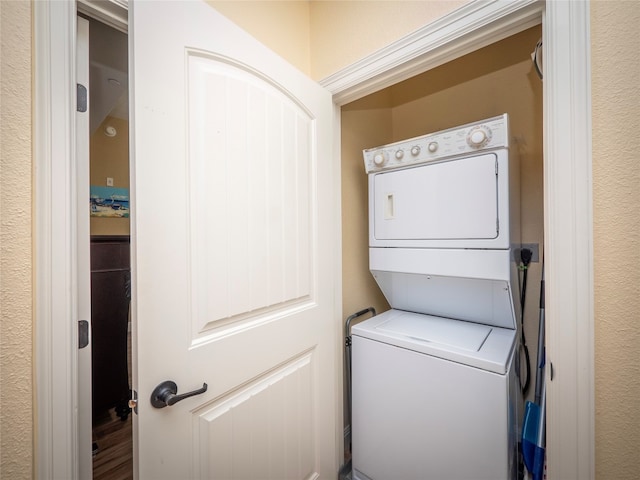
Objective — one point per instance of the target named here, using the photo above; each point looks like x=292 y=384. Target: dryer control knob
x=479 y=136
x=379 y=158
x=415 y=150
x=399 y=154
x=433 y=146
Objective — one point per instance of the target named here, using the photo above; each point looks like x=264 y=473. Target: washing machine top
x=481 y=346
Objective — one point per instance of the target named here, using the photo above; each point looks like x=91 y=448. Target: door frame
x=567 y=204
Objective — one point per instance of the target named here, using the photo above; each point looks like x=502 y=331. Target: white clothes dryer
x=434 y=389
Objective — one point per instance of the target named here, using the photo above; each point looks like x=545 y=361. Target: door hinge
x=83 y=333
x=81 y=98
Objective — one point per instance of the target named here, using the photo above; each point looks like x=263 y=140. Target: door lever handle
x=166 y=394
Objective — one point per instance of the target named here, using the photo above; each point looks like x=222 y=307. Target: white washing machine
x=434 y=389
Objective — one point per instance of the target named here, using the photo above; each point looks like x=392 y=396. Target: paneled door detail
x=251 y=194
x=233 y=233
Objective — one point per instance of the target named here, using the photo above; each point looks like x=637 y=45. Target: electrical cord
x=525 y=256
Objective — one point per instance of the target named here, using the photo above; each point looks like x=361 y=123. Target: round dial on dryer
x=415 y=150
x=479 y=136
x=379 y=158
x=399 y=154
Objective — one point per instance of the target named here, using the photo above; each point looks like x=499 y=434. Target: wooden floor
x=114 y=457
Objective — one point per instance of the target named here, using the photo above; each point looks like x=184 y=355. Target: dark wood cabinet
x=110 y=300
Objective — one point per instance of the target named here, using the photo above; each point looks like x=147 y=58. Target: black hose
x=541 y=345
x=525 y=255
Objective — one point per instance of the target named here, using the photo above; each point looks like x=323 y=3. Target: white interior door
x=233 y=231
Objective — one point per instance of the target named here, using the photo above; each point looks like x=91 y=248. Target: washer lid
x=481 y=346
x=443 y=331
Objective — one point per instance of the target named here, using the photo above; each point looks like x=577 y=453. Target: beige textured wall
x=343 y=32
x=16 y=287
x=616 y=203
x=283 y=26
x=365 y=123
x=320 y=37
x=110 y=158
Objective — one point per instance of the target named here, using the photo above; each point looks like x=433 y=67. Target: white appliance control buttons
x=489 y=134
x=479 y=136
x=379 y=158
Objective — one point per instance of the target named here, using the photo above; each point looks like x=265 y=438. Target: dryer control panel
x=485 y=135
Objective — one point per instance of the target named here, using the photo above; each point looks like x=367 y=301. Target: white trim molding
x=469 y=28
x=568 y=241
x=114 y=13
x=55 y=282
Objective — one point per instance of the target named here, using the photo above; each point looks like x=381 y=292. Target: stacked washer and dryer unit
x=435 y=387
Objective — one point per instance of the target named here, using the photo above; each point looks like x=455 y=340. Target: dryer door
x=449 y=201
